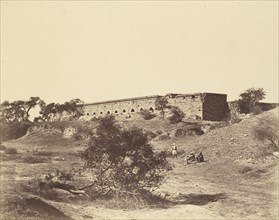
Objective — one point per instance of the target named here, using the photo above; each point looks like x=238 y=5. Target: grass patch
x=252 y=173
x=43 y=153
x=35 y=159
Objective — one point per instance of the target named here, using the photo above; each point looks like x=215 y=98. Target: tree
x=177 y=115
x=47 y=110
x=161 y=104
x=12 y=111
x=249 y=98
x=18 y=110
x=267 y=129
x=28 y=105
x=122 y=160
x=74 y=107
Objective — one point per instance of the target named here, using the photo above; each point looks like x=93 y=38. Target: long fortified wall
x=206 y=106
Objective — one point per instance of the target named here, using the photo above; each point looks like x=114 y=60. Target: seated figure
x=200 y=158
x=190 y=158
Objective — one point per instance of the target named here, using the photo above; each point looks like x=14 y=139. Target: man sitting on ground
x=190 y=158
x=200 y=158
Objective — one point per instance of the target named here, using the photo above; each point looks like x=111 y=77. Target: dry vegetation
x=237 y=180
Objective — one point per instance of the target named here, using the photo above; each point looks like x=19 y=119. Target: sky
x=99 y=51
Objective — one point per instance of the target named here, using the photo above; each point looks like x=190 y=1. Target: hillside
x=237 y=180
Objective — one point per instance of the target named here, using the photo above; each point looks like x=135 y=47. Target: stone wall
x=190 y=104
x=120 y=107
x=215 y=107
x=207 y=106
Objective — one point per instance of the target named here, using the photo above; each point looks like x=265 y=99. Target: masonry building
x=205 y=106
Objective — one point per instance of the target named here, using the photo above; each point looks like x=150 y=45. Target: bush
x=122 y=160
x=177 y=115
x=147 y=115
x=191 y=129
x=10 y=151
x=267 y=129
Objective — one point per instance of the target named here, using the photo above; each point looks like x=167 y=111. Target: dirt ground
x=209 y=190
x=238 y=180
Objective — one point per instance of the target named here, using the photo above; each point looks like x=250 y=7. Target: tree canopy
x=18 y=110
x=249 y=98
x=161 y=104
x=122 y=160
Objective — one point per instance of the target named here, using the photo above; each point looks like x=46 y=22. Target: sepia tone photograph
x=139 y=110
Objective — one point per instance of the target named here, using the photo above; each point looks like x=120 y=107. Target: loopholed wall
x=206 y=106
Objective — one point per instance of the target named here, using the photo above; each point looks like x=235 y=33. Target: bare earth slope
x=238 y=180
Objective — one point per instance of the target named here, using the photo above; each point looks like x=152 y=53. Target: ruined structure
x=205 y=106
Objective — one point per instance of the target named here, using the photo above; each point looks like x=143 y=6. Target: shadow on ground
x=198 y=199
x=30 y=208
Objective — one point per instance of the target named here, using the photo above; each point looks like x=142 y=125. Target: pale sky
x=99 y=51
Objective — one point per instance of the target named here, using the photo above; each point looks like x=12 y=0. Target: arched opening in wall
x=87 y=113
x=108 y=112
x=124 y=111
x=193 y=97
x=101 y=113
x=94 y=113
x=141 y=109
x=115 y=111
x=151 y=109
x=133 y=110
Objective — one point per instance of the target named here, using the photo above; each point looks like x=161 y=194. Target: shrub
x=122 y=160
x=177 y=115
x=267 y=129
x=147 y=115
x=10 y=151
x=192 y=129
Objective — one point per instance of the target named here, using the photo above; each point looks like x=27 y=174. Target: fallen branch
x=69 y=188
